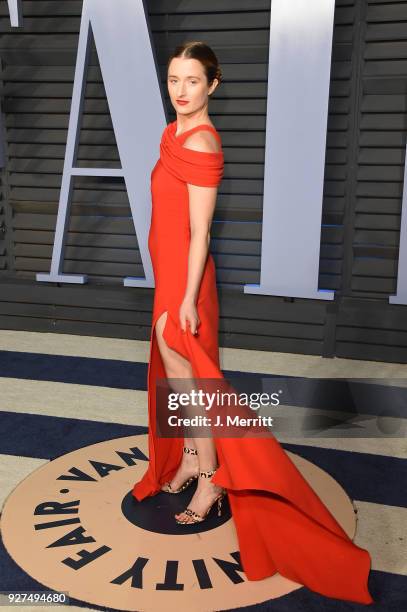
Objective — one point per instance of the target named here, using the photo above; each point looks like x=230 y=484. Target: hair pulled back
x=200 y=51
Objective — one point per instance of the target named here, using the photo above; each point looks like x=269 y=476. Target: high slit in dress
x=281 y=523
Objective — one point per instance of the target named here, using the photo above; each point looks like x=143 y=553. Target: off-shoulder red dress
x=281 y=523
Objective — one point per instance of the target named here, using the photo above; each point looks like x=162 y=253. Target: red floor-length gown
x=281 y=523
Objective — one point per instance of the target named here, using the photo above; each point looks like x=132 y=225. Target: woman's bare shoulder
x=202 y=140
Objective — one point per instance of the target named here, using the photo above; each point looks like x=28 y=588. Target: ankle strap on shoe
x=207 y=474
x=190 y=451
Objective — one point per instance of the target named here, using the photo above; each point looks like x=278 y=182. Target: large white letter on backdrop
x=16 y=16
x=131 y=79
x=297 y=110
x=301 y=34
x=401 y=296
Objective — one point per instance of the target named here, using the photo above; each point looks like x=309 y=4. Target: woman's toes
x=183 y=517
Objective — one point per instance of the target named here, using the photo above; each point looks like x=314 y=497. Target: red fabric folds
x=281 y=523
x=194 y=167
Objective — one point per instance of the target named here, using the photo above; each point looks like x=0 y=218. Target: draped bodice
x=191 y=166
x=176 y=167
x=169 y=234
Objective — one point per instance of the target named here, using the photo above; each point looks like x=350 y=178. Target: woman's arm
x=202 y=202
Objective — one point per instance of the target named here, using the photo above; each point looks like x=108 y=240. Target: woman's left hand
x=188 y=315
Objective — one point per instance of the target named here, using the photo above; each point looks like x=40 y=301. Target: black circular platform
x=156 y=513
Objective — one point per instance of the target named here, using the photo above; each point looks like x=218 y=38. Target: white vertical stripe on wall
x=401 y=296
x=16 y=16
x=299 y=69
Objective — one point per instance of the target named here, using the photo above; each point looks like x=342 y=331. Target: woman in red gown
x=281 y=523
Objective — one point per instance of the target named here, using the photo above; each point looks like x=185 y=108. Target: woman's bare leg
x=176 y=366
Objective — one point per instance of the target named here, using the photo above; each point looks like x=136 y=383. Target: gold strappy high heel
x=198 y=518
x=167 y=486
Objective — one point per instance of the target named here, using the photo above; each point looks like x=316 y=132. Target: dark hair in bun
x=198 y=50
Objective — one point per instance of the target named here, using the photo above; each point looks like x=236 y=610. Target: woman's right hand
x=188 y=315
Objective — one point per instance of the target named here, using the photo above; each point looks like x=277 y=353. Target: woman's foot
x=203 y=498
x=188 y=468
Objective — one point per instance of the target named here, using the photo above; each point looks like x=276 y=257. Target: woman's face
x=187 y=82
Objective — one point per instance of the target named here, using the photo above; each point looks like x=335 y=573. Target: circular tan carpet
x=74 y=526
